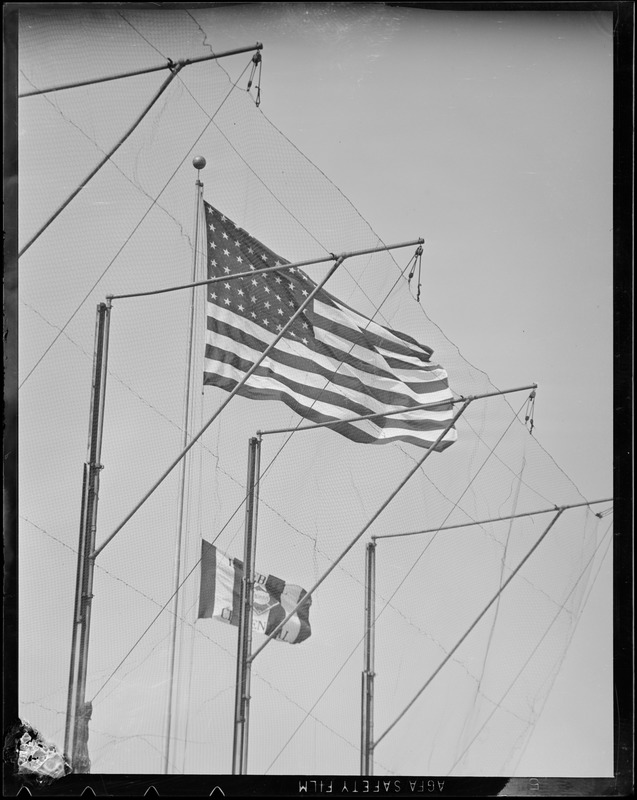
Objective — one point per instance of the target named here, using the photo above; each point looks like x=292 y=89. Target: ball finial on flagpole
x=199 y=162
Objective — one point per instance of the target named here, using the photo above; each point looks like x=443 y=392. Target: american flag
x=332 y=363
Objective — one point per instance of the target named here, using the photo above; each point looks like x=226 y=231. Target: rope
x=256 y=64
x=417 y=259
x=130 y=236
x=538 y=645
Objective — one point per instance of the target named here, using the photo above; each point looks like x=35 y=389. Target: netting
x=129 y=230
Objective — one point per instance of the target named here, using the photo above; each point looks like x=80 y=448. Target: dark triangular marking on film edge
x=88 y=790
x=151 y=792
x=217 y=790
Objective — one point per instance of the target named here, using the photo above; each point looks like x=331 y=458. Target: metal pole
x=407 y=410
x=472 y=626
x=169 y=65
x=245 y=619
x=96 y=169
x=78 y=712
x=231 y=394
x=488 y=521
x=249 y=572
x=367 y=709
x=199 y=163
x=333 y=565
x=280 y=268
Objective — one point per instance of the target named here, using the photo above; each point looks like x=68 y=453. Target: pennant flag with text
x=273 y=599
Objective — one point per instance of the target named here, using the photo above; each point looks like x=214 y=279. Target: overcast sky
x=487 y=133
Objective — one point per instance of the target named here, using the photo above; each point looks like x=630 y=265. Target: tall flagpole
x=198 y=163
x=78 y=711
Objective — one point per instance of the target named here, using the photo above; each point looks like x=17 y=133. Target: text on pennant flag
x=273 y=599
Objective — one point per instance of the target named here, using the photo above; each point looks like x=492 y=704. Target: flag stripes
x=332 y=362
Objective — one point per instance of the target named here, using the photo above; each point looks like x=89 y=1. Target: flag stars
x=226 y=285
x=227 y=301
x=226 y=269
x=239 y=259
x=226 y=252
x=225 y=235
x=213 y=296
x=240 y=292
x=266 y=304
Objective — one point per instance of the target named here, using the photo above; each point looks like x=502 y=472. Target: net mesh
x=129 y=230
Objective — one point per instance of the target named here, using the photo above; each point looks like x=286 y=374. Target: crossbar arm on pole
x=393 y=413
x=471 y=627
x=198 y=435
x=171 y=65
x=466 y=402
x=265 y=270
x=494 y=519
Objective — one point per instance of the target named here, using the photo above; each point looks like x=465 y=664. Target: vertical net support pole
x=244 y=640
x=367 y=699
x=250 y=581
x=77 y=710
